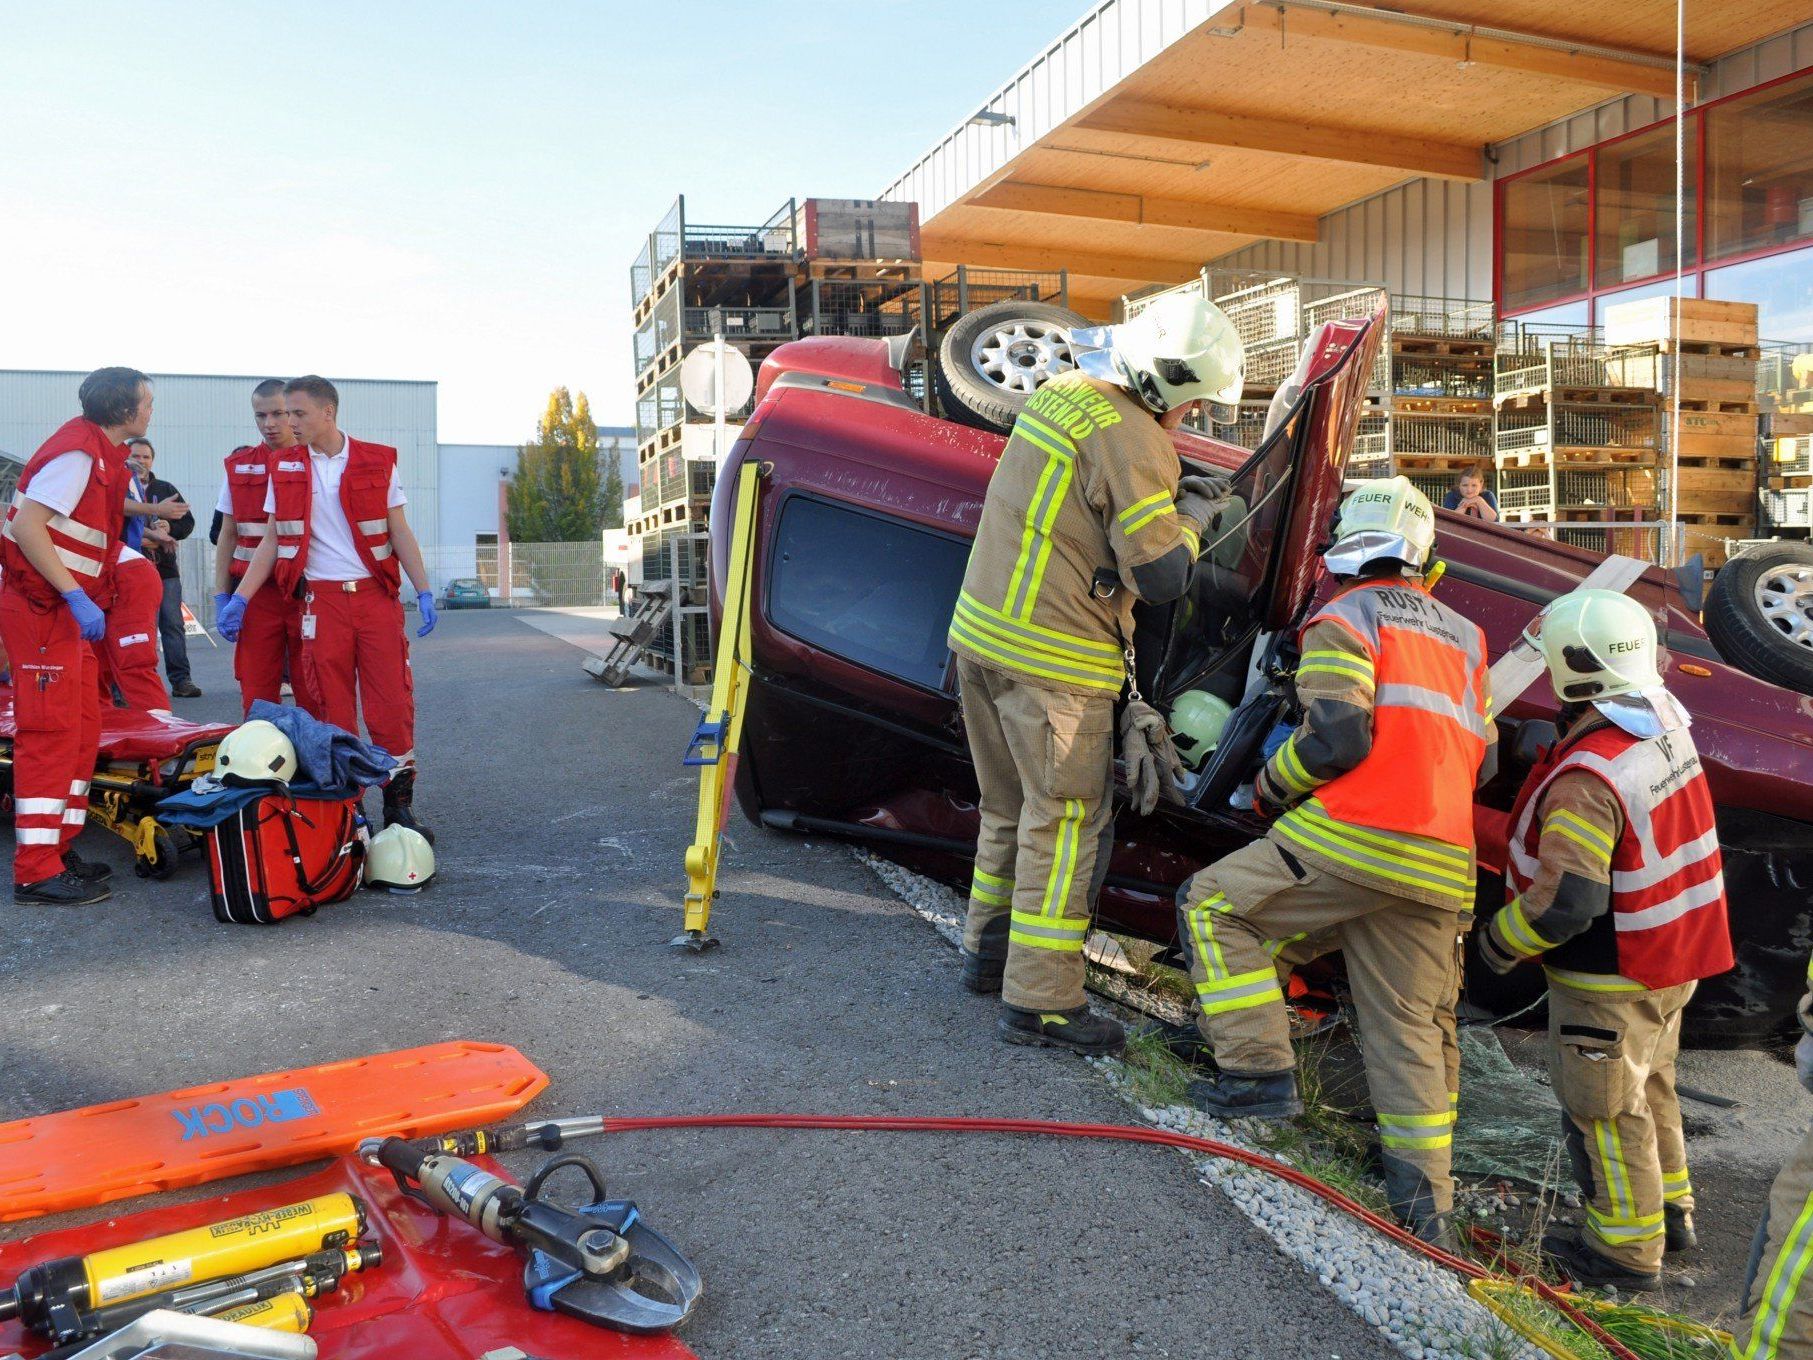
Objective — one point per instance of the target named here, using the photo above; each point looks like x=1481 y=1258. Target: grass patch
x=1156 y=1075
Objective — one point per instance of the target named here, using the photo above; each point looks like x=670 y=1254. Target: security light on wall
x=989 y=118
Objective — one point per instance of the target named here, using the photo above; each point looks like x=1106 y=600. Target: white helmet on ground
x=1600 y=647
x=1379 y=519
x=399 y=858
x=256 y=752
x=1181 y=349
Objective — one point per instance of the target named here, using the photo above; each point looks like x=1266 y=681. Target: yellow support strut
x=714 y=745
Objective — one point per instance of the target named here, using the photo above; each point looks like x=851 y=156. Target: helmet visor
x=1353 y=552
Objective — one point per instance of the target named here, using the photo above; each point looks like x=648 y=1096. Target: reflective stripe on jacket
x=248 y=477
x=364 y=495
x=87 y=539
x=1668 y=920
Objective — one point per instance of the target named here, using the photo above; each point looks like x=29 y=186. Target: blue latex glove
x=229 y=616
x=424 y=601
x=220 y=601
x=90 y=621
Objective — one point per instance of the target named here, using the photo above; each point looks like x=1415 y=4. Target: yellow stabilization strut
x=714 y=745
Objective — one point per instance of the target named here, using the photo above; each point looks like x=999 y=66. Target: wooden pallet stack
x=1701 y=357
x=1575 y=447
x=1786 y=451
x=1442 y=353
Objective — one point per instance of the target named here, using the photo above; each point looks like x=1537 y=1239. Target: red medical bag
x=280 y=855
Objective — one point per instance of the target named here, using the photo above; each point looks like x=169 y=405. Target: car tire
x=992 y=359
x=1759 y=614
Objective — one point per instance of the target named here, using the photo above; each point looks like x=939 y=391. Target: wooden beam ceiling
x=1008 y=255
x=1289 y=21
x=1100 y=206
x=1352 y=146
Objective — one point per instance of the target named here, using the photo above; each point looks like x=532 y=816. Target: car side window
x=867 y=588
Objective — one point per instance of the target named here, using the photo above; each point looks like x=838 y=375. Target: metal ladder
x=633 y=632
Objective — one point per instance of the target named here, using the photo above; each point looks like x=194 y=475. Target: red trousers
x=358 y=657
x=270 y=641
x=57 y=711
x=128 y=654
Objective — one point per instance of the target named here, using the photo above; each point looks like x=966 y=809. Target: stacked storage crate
x=1700 y=357
x=1576 y=449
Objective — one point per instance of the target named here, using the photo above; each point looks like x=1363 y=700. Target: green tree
x=612 y=457
x=558 y=498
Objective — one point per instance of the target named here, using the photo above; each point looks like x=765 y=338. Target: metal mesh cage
x=1793 y=457
x=642 y=272
x=966 y=289
x=1270 y=311
x=1537 y=491
x=1575 y=362
x=1451 y=318
x=865 y=307
x=1446 y=436
x=669 y=237
x=1789 y=508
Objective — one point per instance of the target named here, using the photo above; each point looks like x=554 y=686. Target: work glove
x=90 y=621
x=424 y=601
x=1803 y=1060
x=1492 y=954
x=229 y=616
x=1153 y=765
x=1199 y=497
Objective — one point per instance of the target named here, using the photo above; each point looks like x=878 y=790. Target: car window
x=867 y=588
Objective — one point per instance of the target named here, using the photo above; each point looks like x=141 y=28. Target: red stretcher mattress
x=130 y=734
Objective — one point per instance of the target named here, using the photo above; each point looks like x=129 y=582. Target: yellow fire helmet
x=256 y=752
x=1384 y=518
x=399 y=859
x=1197 y=720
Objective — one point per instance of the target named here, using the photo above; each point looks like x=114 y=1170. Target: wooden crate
x=1700 y=379
x=1782 y=425
x=1694 y=320
x=1704 y=424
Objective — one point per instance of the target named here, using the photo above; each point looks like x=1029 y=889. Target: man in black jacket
x=162 y=534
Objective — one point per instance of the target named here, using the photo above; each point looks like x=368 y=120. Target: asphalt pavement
x=562 y=812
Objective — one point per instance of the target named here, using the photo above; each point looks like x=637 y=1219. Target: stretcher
x=144 y=757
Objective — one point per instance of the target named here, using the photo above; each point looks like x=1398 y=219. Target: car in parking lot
x=465 y=592
x=868 y=505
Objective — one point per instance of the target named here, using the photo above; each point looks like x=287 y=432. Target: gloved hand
x=1803 y=1060
x=424 y=601
x=90 y=621
x=220 y=601
x=1492 y=954
x=229 y=616
x=1199 y=497
x=1153 y=765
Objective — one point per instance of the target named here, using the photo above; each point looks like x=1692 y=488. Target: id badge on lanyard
x=308 y=617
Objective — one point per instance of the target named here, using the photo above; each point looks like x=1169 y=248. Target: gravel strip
x=1421 y=1308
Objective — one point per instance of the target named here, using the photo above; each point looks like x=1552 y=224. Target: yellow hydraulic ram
x=284 y=1313
x=714 y=745
x=46 y=1294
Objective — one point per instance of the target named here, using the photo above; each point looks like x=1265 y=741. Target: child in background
x=1469 y=496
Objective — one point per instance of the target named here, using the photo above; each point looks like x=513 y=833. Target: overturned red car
x=863 y=531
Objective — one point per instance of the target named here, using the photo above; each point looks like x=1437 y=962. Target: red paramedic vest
x=1667 y=924
x=248 y=476
x=1428 y=714
x=88 y=538
x=364 y=495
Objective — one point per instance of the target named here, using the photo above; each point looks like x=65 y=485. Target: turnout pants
x=128 y=654
x=1239 y=917
x=1778 y=1294
x=270 y=641
x=1612 y=1063
x=358 y=659
x=57 y=713
x=1045 y=763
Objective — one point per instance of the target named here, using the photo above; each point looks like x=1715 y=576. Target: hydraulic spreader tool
x=302 y=1249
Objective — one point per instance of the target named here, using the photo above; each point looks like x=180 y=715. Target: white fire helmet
x=1600 y=647
x=399 y=859
x=1384 y=518
x=256 y=752
x=1181 y=349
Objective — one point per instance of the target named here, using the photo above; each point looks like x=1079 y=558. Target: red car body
x=853 y=730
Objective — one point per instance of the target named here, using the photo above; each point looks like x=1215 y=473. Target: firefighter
x=1778 y=1297
x=1085 y=513
x=1614 y=881
x=59 y=550
x=269 y=648
x=128 y=653
x=1372 y=847
x=337 y=535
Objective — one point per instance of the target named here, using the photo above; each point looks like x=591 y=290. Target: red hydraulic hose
x=1123 y=1133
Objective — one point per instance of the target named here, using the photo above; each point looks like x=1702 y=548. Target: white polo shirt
x=59 y=484
x=332 y=553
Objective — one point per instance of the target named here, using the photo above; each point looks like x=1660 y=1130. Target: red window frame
x=1694 y=276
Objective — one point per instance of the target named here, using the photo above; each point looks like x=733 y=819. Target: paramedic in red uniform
x=270 y=637
x=128 y=654
x=59 y=548
x=338 y=534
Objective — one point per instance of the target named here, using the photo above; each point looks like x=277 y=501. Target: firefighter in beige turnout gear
x=1085 y=513
x=1614 y=881
x=1374 y=853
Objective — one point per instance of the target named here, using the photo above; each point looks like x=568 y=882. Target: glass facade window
x=1759 y=160
x=1634 y=213
x=1543 y=235
x=1780 y=285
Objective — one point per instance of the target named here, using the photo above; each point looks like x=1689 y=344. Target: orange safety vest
x=248 y=477
x=364 y=496
x=87 y=539
x=1429 y=714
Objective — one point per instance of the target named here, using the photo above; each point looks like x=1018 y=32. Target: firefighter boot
x=86 y=870
x=1563 y=1248
x=1077 y=1029
x=1438 y=1231
x=399 y=802
x=1248 y=1095
x=982 y=974
x=1678 y=1230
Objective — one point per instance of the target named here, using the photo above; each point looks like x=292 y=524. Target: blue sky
x=450 y=191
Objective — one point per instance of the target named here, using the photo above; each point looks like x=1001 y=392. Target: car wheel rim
x=1020 y=356
x=1784 y=596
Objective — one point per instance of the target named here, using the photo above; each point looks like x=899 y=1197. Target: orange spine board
x=77 y=1158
